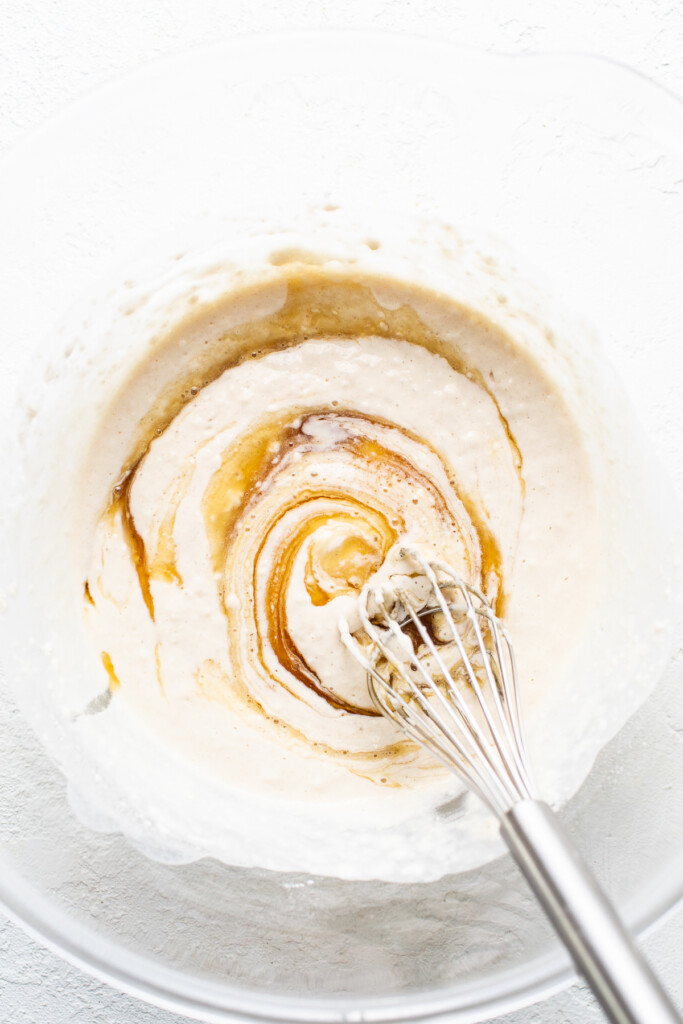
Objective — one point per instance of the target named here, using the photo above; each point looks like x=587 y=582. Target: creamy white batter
x=258 y=463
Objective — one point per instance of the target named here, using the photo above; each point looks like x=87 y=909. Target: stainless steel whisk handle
x=583 y=917
x=455 y=693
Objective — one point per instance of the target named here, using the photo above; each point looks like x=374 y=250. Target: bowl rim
x=207 y=1001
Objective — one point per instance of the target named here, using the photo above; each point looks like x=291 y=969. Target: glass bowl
x=574 y=163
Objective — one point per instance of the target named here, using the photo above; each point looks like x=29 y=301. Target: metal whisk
x=441 y=666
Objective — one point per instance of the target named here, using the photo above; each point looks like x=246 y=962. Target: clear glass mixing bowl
x=577 y=164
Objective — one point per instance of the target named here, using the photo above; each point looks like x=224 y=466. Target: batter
x=233 y=443
x=281 y=467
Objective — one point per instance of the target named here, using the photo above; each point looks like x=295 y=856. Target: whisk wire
x=466 y=723
x=477 y=733
x=421 y=731
x=472 y=675
x=512 y=751
x=396 y=704
x=512 y=708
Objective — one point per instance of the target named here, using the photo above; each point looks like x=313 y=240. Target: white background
x=53 y=50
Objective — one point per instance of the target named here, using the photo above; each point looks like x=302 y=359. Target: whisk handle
x=583 y=917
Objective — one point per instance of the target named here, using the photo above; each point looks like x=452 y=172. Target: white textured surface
x=52 y=50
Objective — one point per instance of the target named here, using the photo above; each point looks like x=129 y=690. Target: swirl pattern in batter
x=279 y=465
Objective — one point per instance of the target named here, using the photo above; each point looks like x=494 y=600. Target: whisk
x=441 y=666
